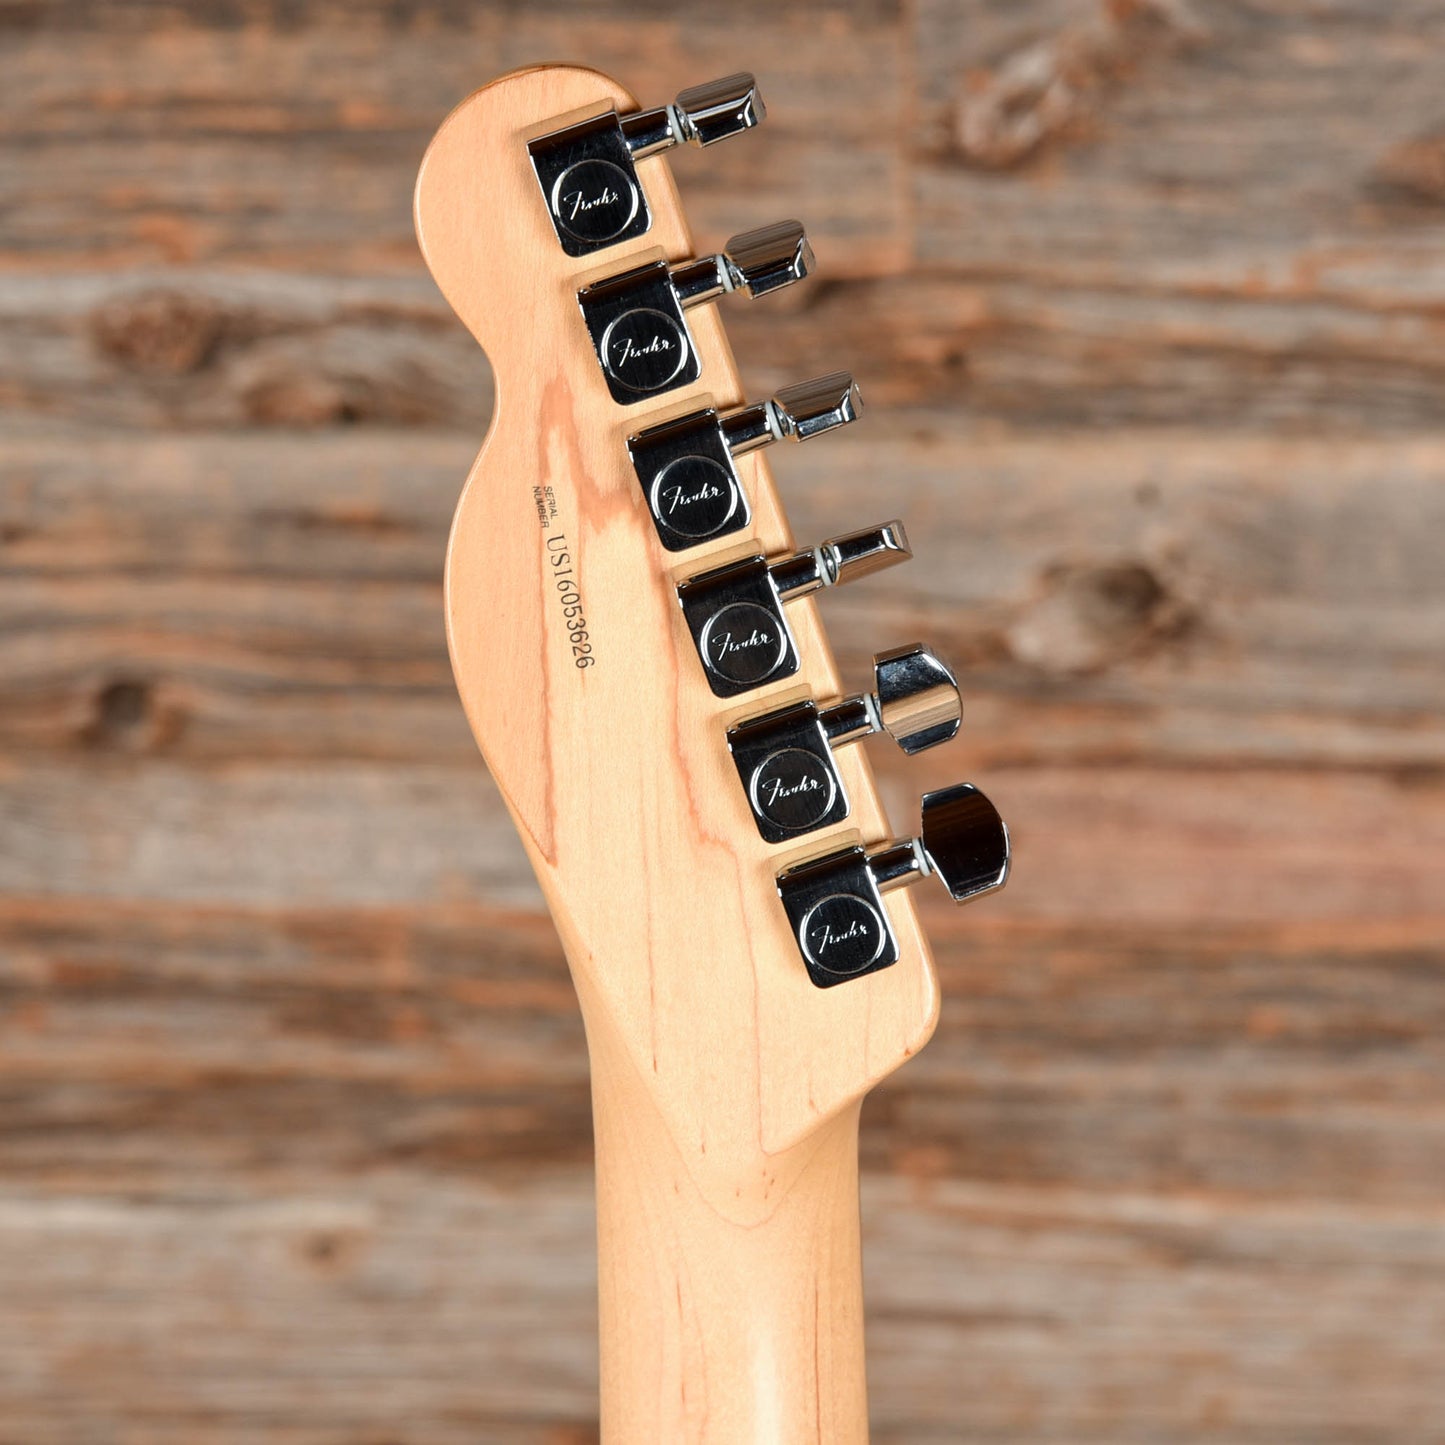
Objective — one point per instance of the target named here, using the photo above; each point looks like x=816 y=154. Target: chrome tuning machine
x=686 y=467
x=636 y=319
x=835 y=904
x=735 y=613
x=588 y=173
x=785 y=758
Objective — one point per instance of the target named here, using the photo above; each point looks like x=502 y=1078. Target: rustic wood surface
x=1149 y=299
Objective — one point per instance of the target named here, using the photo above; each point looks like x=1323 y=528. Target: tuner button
x=810 y=407
x=964 y=841
x=835 y=903
x=917 y=698
x=768 y=258
x=719 y=108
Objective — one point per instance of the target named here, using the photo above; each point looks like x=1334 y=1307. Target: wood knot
x=121 y=707
x=126 y=716
x=330 y=1251
x=1088 y=616
x=1414 y=171
x=1052 y=86
x=163 y=333
x=297 y=392
x=302 y=399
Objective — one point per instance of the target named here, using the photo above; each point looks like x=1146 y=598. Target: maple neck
x=731 y=1305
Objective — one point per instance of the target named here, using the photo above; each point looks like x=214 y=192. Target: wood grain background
x=1149 y=302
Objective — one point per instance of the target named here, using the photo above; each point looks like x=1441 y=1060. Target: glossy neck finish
x=731 y=1306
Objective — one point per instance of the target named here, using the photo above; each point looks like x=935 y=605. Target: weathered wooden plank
x=1261 y=1062
x=1132 y=596
x=1286 y=1063
x=194 y=348
x=328 y=1312
x=261 y=835
x=1105 y=844
x=1048 y=353
x=231 y=669
x=293 y=1116
x=1002 y=1316
x=226 y=136
x=177 y=348
x=1276 y=148
x=339 y=506
x=448 y=998
x=450 y=1312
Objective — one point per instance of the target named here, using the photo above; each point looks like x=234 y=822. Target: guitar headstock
x=636 y=641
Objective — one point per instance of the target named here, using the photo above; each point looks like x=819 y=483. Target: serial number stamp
x=564 y=579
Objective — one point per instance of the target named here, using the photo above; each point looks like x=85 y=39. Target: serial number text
x=564 y=579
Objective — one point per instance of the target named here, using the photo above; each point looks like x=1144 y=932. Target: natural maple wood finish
x=725 y=1085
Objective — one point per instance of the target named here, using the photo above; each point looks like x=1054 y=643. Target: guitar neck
x=731 y=1306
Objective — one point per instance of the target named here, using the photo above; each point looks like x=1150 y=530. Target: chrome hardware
x=756 y=262
x=916 y=702
x=769 y=258
x=717 y=109
x=636 y=319
x=785 y=758
x=963 y=843
x=587 y=171
x=686 y=467
x=794 y=413
x=735 y=613
x=835 y=903
x=701 y=115
x=842 y=559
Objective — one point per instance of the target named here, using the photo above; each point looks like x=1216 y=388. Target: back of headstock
x=580 y=671
x=643 y=664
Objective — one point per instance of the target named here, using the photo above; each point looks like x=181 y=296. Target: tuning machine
x=785 y=758
x=835 y=904
x=686 y=467
x=588 y=174
x=636 y=319
x=735 y=613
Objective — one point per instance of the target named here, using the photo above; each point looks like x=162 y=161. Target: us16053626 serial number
x=564 y=579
